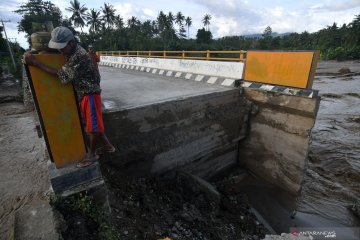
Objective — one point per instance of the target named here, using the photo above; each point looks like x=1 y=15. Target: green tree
x=179 y=21
x=165 y=30
x=133 y=23
x=267 y=32
x=37 y=11
x=206 y=21
x=266 y=41
x=78 y=13
x=170 y=20
x=188 y=23
x=94 y=20
x=109 y=14
x=2 y=41
x=203 y=36
x=119 y=22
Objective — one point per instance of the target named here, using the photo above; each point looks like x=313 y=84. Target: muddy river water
x=332 y=180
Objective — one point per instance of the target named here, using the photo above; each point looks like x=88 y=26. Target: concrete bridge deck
x=123 y=89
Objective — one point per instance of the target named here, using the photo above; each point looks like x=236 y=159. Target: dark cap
x=60 y=37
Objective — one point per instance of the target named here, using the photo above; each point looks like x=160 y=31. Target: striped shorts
x=91 y=111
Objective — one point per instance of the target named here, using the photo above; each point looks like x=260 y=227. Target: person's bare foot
x=88 y=160
x=102 y=150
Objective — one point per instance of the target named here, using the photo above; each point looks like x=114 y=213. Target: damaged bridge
x=205 y=117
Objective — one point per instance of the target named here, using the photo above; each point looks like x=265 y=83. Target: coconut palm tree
x=109 y=14
x=161 y=21
x=119 y=22
x=188 y=23
x=170 y=20
x=94 y=20
x=133 y=22
x=78 y=13
x=179 y=21
x=206 y=21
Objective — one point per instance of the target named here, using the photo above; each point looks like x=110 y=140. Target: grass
x=84 y=204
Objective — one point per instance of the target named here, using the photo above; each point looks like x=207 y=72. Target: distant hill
x=259 y=35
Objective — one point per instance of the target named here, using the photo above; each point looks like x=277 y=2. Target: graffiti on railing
x=238 y=56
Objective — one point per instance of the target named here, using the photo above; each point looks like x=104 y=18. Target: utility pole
x=10 y=50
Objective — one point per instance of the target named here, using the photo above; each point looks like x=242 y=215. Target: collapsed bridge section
x=206 y=116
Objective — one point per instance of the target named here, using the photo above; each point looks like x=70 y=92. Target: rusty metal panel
x=58 y=112
x=293 y=69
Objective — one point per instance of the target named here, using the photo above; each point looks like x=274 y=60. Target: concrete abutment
x=197 y=133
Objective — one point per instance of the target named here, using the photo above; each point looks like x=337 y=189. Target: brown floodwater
x=332 y=180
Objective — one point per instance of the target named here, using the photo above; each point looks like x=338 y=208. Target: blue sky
x=229 y=17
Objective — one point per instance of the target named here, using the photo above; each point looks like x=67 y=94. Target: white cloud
x=336 y=6
x=127 y=10
x=149 y=12
x=225 y=26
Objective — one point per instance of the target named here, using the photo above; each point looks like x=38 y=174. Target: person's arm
x=29 y=59
x=97 y=58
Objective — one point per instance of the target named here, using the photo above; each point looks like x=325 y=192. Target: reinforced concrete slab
x=123 y=89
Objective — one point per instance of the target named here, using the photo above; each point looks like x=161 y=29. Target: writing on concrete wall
x=209 y=66
x=213 y=68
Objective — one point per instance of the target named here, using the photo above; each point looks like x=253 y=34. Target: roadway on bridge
x=122 y=89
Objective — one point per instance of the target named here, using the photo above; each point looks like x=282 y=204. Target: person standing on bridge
x=79 y=70
x=94 y=58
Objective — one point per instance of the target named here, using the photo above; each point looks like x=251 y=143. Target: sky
x=229 y=17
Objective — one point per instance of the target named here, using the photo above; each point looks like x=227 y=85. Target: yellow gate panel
x=293 y=69
x=58 y=111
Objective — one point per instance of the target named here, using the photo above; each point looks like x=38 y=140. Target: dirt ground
x=23 y=172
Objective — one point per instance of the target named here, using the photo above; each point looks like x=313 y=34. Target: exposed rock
x=198 y=185
x=344 y=70
x=355 y=209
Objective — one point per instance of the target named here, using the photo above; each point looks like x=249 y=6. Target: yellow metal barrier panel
x=293 y=69
x=58 y=111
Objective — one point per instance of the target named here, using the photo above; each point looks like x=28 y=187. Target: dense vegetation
x=107 y=30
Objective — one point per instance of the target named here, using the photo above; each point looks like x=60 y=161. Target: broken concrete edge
x=298 y=105
x=308 y=93
x=222 y=81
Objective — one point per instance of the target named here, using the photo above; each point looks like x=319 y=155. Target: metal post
x=7 y=41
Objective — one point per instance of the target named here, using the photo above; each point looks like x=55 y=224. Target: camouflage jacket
x=80 y=70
